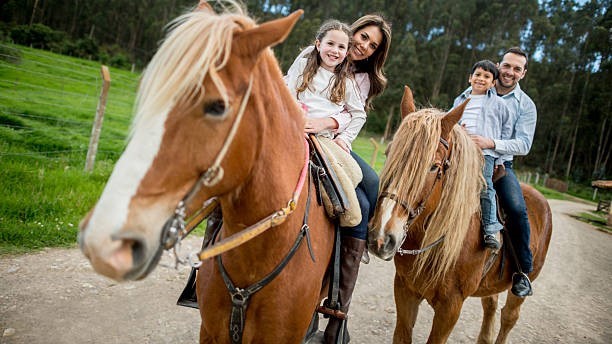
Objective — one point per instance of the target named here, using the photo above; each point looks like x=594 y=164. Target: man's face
x=511 y=70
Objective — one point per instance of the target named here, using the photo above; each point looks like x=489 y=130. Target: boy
x=486 y=115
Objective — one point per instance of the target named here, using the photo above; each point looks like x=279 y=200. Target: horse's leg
x=489 y=306
x=446 y=314
x=509 y=316
x=205 y=338
x=407 y=306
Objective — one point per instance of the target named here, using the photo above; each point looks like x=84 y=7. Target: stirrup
x=523 y=276
x=329 y=312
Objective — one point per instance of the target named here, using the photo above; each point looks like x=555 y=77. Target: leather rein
x=414 y=213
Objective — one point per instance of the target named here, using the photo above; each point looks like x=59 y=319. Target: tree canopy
x=434 y=45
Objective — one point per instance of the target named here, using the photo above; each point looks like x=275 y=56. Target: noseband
x=441 y=169
x=414 y=213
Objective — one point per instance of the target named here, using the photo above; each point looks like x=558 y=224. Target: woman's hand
x=316 y=125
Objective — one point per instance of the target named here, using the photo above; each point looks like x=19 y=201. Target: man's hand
x=483 y=142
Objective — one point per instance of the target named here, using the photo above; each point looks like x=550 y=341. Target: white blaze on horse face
x=390 y=222
x=390 y=230
x=111 y=213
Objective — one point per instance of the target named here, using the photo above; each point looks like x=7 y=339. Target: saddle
x=336 y=175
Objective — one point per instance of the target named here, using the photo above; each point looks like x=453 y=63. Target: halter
x=414 y=213
x=176 y=228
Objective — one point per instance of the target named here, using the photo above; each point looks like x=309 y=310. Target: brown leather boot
x=350 y=257
x=188 y=297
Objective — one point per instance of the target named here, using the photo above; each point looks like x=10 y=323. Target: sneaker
x=490 y=241
x=521 y=286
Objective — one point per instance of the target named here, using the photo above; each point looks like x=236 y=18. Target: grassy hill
x=47 y=107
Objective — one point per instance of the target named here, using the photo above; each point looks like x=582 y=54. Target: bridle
x=441 y=169
x=177 y=228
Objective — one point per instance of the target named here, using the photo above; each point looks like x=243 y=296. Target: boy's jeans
x=488 y=204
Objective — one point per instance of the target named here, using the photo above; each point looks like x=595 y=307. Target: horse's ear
x=407 y=102
x=251 y=42
x=452 y=117
x=204 y=6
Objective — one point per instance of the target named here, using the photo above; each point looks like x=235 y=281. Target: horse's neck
x=280 y=157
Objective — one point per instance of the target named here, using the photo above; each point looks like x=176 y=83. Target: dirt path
x=54 y=297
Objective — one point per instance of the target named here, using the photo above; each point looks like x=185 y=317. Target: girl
x=371 y=38
x=322 y=82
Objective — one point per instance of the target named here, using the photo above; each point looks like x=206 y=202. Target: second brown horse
x=429 y=211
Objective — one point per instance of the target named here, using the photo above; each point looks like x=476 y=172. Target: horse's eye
x=433 y=168
x=215 y=108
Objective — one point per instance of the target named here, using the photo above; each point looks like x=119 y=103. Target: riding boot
x=350 y=257
x=188 y=297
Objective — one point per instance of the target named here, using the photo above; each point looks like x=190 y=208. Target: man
x=512 y=69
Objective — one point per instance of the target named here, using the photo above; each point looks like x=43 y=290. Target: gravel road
x=53 y=296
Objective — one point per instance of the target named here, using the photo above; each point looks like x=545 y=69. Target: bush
x=85 y=48
x=115 y=56
x=37 y=36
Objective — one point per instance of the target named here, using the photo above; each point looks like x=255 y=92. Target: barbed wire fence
x=41 y=88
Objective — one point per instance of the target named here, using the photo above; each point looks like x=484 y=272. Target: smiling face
x=333 y=48
x=365 y=42
x=481 y=80
x=512 y=69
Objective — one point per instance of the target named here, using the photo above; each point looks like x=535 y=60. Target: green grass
x=598 y=219
x=47 y=106
x=550 y=193
x=364 y=147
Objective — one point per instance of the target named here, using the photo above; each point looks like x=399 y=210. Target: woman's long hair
x=374 y=64
x=342 y=70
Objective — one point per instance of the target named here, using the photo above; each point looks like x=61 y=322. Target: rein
x=177 y=229
x=272 y=220
x=414 y=213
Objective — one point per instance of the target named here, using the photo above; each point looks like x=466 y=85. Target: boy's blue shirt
x=525 y=114
x=496 y=122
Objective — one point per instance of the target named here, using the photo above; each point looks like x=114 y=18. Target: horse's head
x=416 y=178
x=197 y=115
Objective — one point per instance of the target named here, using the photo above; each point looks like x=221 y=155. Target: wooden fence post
x=376 y=147
x=97 y=126
x=388 y=126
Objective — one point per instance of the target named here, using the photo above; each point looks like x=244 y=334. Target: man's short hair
x=518 y=51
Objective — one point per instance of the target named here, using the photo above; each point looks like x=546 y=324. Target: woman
x=370 y=46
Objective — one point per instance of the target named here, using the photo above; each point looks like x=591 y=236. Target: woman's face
x=365 y=42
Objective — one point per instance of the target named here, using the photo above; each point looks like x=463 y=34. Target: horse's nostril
x=135 y=245
x=138 y=252
x=390 y=242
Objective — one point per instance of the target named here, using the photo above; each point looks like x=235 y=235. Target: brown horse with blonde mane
x=215 y=119
x=429 y=212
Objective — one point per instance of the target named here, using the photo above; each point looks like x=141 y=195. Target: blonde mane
x=405 y=173
x=198 y=44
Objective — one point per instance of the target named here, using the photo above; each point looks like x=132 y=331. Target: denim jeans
x=512 y=201
x=367 y=194
x=488 y=204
